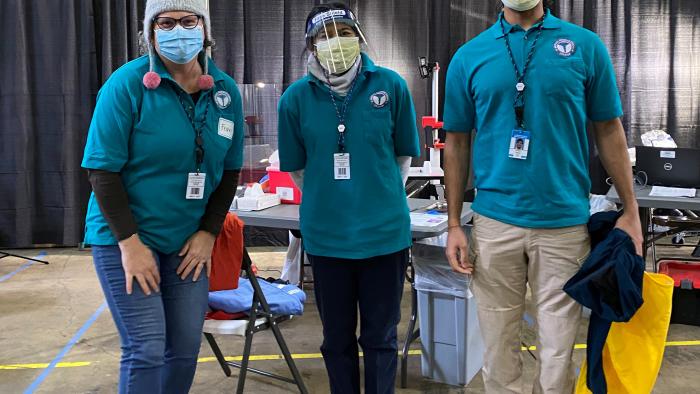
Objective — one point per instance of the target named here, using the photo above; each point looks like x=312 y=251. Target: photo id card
x=519 y=144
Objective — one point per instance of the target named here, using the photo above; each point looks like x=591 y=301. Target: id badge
x=519 y=144
x=195 y=186
x=226 y=128
x=341 y=166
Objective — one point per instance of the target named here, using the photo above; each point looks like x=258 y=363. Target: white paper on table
x=427 y=219
x=661 y=191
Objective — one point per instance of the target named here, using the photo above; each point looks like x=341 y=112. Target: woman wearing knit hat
x=163 y=154
x=351 y=127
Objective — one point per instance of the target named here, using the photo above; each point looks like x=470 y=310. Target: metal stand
x=259 y=309
x=5 y=254
x=411 y=332
x=645 y=219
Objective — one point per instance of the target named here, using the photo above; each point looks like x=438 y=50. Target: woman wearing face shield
x=163 y=154
x=346 y=130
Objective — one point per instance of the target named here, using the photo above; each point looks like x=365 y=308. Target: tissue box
x=283 y=185
x=258 y=203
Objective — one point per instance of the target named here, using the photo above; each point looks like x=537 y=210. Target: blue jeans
x=161 y=333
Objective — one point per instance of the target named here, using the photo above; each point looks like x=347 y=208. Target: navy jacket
x=610 y=284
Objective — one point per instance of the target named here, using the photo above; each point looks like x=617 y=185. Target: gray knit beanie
x=156 y=7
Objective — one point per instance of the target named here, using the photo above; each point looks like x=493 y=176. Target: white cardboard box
x=258 y=203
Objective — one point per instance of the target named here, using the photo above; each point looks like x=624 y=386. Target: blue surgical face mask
x=180 y=45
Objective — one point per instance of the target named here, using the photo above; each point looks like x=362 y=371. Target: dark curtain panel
x=48 y=76
x=653 y=45
x=56 y=55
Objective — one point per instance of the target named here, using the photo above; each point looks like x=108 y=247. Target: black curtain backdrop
x=56 y=55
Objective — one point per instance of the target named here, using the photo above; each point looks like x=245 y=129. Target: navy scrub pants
x=375 y=285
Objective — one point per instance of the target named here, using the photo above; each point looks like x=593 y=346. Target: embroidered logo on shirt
x=222 y=99
x=379 y=99
x=564 y=47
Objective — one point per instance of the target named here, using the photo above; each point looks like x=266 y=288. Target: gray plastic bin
x=451 y=343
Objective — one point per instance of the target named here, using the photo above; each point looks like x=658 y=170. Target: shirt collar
x=214 y=71
x=551 y=22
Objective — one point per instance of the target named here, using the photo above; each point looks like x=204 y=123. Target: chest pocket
x=564 y=78
x=378 y=128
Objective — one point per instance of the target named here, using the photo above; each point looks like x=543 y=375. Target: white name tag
x=225 y=128
x=195 y=186
x=341 y=166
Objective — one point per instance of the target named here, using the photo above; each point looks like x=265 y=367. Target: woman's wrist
x=129 y=241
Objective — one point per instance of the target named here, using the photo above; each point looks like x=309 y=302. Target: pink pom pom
x=205 y=82
x=151 y=80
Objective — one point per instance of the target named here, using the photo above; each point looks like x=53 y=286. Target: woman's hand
x=197 y=252
x=139 y=263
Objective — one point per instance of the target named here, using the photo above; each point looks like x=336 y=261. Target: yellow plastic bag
x=634 y=350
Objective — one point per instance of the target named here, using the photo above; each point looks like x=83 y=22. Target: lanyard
x=519 y=102
x=338 y=113
x=198 y=140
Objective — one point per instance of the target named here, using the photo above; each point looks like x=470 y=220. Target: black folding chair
x=261 y=318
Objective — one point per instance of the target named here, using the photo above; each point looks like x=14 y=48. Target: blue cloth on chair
x=283 y=299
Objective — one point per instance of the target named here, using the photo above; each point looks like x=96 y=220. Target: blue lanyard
x=519 y=102
x=198 y=140
x=338 y=113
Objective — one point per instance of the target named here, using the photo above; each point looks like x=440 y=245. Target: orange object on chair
x=227 y=255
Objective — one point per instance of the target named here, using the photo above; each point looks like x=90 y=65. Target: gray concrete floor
x=43 y=307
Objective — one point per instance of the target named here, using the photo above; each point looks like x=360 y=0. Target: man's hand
x=629 y=222
x=197 y=252
x=458 y=251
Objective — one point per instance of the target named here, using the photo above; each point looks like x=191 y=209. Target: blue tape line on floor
x=22 y=268
x=65 y=350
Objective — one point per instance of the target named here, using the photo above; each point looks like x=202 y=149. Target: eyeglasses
x=188 y=22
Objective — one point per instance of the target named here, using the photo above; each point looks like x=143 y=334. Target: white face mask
x=520 y=5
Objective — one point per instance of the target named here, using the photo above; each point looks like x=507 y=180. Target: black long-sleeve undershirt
x=113 y=201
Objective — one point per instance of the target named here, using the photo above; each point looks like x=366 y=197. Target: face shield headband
x=323 y=21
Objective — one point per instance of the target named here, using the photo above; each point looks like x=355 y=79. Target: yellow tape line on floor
x=272 y=357
x=44 y=365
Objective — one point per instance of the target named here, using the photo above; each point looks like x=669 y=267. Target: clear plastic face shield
x=336 y=36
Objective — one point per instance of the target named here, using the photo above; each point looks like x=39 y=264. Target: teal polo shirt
x=570 y=81
x=367 y=215
x=146 y=136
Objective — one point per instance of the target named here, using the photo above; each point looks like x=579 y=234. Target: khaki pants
x=507 y=259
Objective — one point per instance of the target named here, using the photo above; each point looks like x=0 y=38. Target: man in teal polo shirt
x=528 y=86
x=350 y=126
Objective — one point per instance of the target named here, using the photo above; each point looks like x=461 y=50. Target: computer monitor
x=673 y=167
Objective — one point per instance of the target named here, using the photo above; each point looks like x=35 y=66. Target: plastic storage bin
x=686 y=291
x=451 y=343
x=281 y=183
